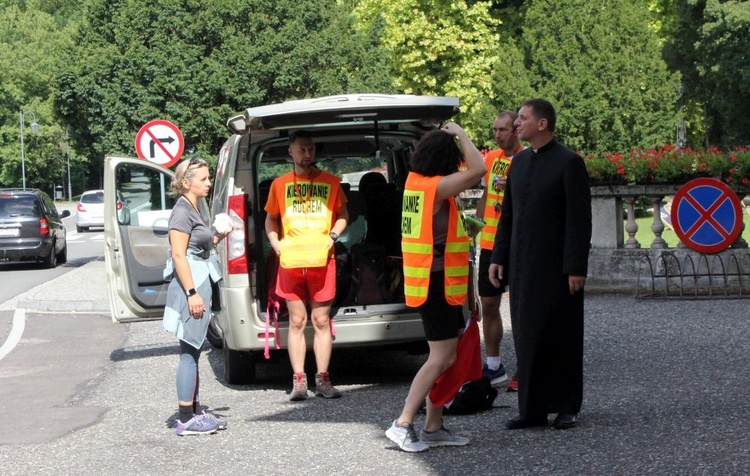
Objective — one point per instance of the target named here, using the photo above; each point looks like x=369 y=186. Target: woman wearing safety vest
x=435 y=247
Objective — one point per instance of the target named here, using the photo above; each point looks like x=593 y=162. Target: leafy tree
x=33 y=46
x=198 y=62
x=680 y=29
x=441 y=47
x=511 y=13
x=600 y=64
x=724 y=70
x=510 y=87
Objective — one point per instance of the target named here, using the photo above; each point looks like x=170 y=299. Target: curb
x=65 y=306
x=28 y=300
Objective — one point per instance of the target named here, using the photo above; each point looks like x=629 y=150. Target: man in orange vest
x=489 y=209
x=312 y=208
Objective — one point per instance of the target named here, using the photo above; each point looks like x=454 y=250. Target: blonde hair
x=185 y=171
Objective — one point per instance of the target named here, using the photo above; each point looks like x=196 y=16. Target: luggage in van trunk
x=368 y=274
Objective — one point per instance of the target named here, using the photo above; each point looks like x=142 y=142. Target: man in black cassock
x=543 y=243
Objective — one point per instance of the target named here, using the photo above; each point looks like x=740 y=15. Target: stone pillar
x=632 y=226
x=658 y=226
x=606 y=218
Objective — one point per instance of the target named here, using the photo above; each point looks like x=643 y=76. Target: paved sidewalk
x=83 y=290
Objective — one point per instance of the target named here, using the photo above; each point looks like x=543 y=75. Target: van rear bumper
x=244 y=327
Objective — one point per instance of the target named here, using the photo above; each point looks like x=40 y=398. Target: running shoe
x=442 y=437
x=195 y=426
x=406 y=438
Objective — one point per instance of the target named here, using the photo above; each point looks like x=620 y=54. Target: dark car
x=31 y=229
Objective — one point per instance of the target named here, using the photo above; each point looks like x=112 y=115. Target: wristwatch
x=334 y=236
x=191 y=292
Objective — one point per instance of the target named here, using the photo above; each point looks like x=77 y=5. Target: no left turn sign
x=160 y=142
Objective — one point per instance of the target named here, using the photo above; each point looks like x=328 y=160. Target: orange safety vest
x=306 y=218
x=497 y=166
x=417 y=243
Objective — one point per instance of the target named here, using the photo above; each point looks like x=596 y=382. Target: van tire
x=239 y=367
x=214 y=336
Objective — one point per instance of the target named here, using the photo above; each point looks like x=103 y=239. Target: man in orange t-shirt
x=311 y=206
x=489 y=208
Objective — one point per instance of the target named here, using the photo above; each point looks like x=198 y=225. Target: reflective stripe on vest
x=497 y=166
x=417 y=243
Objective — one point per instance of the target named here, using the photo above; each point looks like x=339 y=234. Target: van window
x=144 y=192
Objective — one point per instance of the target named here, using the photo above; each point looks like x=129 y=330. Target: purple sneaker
x=211 y=419
x=195 y=426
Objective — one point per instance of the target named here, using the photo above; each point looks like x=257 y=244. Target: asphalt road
x=666 y=387
x=19 y=277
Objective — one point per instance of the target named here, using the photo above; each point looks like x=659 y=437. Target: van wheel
x=214 y=336
x=239 y=367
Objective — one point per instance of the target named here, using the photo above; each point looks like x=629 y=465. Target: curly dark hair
x=437 y=153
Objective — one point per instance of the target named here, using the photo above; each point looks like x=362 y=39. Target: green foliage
x=600 y=64
x=724 y=69
x=510 y=87
x=707 y=41
x=441 y=48
x=196 y=63
x=32 y=49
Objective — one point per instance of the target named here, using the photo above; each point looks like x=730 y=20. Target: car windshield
x=97 y=197
x=19 y=207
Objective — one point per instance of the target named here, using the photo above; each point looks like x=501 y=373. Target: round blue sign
x=707 y=215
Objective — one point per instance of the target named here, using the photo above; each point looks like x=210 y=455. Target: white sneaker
x=442 y=437
x=405 y=437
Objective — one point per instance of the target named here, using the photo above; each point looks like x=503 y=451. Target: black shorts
x=486 y=289
x=441 y=321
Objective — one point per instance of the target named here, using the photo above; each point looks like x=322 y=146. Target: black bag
x=476 y=396
x=344 y=295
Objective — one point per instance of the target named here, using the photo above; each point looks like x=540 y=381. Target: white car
x=366 y=139
x=90 y=210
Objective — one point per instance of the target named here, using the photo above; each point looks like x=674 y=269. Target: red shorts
x=315 y=284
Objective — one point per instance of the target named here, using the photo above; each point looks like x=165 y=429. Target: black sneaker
x=496 y=377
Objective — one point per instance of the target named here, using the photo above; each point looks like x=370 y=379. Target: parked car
x=90 y=210
x=31 y=228
x=364 y=139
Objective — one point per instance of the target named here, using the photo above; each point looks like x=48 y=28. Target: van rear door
x=136 y=246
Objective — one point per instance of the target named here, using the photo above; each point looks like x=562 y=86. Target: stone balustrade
x=617 y=257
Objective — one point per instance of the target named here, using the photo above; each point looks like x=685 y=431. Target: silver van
x=366 y=140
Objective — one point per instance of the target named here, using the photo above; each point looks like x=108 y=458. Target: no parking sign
x=160 y=142
x=707 y=215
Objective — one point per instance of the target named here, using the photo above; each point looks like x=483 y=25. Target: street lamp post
x=34 y=130
x=67 y=153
